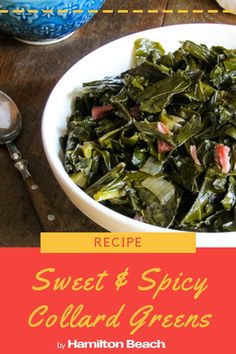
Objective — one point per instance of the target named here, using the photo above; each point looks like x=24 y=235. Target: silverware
x=10 y=127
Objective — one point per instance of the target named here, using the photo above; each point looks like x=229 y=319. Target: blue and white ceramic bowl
x=45 y=22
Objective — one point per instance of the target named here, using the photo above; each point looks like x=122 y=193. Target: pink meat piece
x=135 y=112
x=162 y=128
x=222 y=157
x=193 y=153
x=99 y=112
x=163 y=146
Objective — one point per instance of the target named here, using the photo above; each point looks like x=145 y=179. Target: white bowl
x=112 y=59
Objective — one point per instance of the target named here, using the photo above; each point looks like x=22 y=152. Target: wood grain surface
x=28 y=74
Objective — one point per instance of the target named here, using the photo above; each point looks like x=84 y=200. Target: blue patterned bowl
x=45 y=22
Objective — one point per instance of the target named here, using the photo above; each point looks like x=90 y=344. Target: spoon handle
x=48 y=218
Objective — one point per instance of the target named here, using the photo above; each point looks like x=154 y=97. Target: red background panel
x=18 y=300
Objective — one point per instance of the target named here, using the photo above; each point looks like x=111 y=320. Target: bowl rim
x=211 y=239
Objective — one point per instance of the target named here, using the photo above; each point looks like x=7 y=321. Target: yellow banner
x=118 y=242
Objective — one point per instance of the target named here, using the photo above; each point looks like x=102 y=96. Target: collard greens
x=158 y=142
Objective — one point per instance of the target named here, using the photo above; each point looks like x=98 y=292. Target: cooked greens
x=158 y=142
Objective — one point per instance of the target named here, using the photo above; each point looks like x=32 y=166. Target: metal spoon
x=10 y=127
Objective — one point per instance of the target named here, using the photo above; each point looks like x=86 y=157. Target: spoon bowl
x=10 y=119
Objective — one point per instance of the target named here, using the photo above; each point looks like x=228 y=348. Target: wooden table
x=29 y=73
